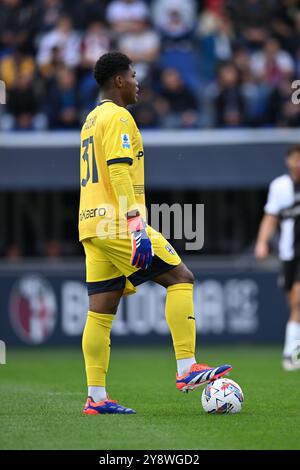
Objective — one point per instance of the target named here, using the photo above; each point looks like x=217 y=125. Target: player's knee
x=295 y=303
x=184 y=275
x=109 y=309
x=188 y=276
x=101 y=304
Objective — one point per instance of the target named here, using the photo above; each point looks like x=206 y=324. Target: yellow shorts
x=108 y=265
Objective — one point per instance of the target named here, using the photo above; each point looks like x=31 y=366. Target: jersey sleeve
x=117 y=139
x=122 y=185
x=273 y=205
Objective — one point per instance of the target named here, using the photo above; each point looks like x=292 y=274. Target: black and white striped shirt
x=284 y=202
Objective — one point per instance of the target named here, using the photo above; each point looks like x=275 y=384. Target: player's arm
x=119 y=156
x=269 y=223
x=123 y=188
x=266 y=231
x=142 y=252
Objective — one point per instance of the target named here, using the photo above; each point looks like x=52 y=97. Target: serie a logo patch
x=170 y=249
x=125 y=141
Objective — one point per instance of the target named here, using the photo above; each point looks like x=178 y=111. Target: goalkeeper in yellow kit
x=121 y=250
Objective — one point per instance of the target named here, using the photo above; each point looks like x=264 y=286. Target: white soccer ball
x=222 y=396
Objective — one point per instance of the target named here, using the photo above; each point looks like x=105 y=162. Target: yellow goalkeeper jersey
x=109 y=135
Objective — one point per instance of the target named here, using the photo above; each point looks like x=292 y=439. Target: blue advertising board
x=42 y=306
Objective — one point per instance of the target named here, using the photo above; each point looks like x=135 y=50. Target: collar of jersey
x=105 y=101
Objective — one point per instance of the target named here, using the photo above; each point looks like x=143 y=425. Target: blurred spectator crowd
x=200 y=63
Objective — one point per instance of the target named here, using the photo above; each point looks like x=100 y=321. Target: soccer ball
x=222 y=396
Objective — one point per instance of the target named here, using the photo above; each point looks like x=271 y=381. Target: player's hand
x=261 y=250
x=142 y=250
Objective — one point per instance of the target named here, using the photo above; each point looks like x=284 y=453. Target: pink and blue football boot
x=200 y=374
x=107 y=406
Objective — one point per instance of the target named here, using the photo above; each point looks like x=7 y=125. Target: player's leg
x=179 y=310
x=292 y=332
x=179 y=297
x=168 y=270
x=96 y=340
x=105 y=288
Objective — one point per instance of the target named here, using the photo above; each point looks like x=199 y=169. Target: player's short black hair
x=109 y=65
x=293 y=149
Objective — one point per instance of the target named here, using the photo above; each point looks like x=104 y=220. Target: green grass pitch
x=42 y=393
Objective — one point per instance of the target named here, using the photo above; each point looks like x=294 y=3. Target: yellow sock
x=96 y=347
x=180 y=319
